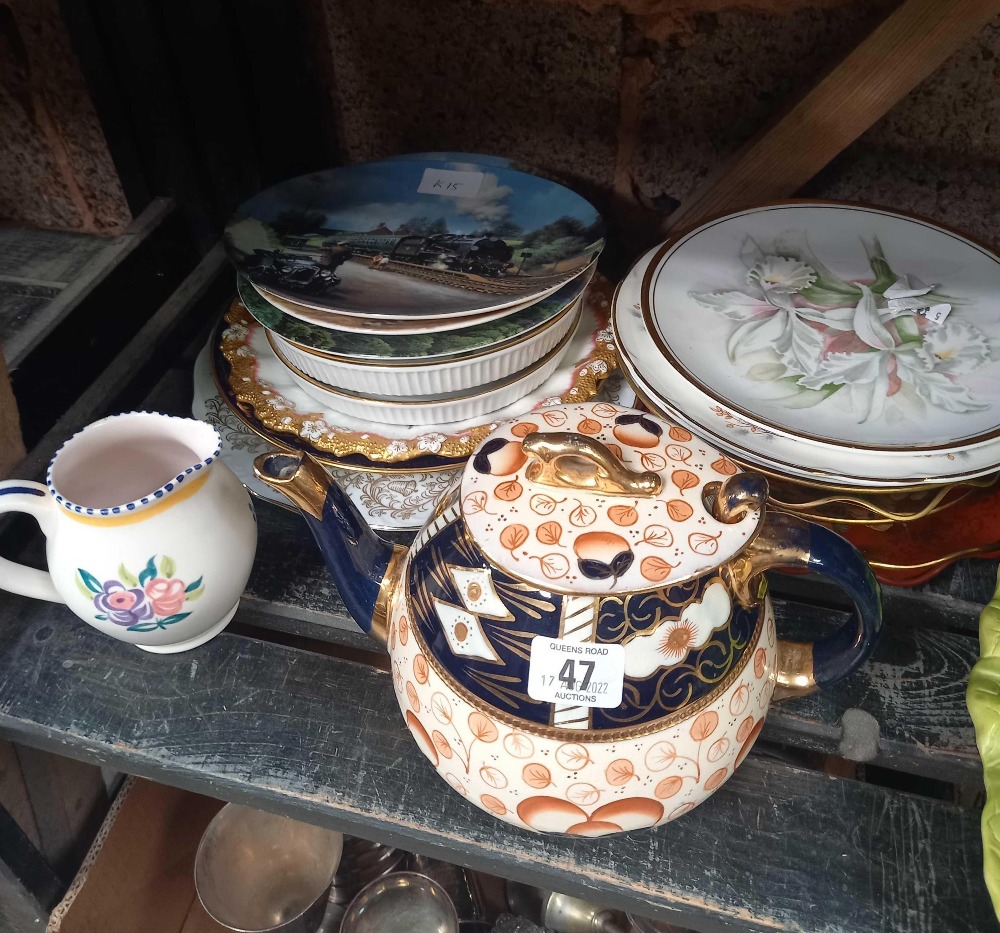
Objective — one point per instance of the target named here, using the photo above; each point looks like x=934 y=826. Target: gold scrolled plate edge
x=934 y=562
x=817 y=483
x=588 y=736
x=332 y=462
x=243 y=385
x=879 y=515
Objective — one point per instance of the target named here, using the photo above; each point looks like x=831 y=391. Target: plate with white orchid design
x=753 y=443
x=256 y=383
x=846 y=325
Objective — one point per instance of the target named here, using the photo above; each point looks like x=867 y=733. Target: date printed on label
x=573 y=674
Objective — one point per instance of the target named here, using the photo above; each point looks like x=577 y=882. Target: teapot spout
x=363 y=565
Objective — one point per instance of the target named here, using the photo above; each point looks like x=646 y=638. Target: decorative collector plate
x=417 y=348
x=391 y=326
x=261 y=389
x=844 y=324
x=414 y=238
x=803 y=457
x=398 y=500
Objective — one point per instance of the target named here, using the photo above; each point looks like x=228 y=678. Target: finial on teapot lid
x=574 y=461
x=730 y=500
x=608 y=498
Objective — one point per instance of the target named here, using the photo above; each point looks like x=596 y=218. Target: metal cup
x=562 y=913
x=260 y=873
x=401 y=903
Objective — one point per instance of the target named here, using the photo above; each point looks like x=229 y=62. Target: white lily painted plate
x=754 y=443
x=847 y=325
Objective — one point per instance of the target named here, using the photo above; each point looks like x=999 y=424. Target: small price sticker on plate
x=450 y=184
x=569 y=673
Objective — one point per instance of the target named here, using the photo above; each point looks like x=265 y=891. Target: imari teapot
x=581 y=636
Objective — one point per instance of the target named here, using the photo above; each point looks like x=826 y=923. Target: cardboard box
x=138 y=876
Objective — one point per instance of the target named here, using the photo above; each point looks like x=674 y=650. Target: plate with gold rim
x=401 y=499
x=414 y=349
x=262 y=389
x=414 y=239
x=784 y=470
x=392 y=497
x=800 y=457
x=846 y=326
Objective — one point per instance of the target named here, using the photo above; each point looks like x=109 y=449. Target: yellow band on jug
x=182 y=492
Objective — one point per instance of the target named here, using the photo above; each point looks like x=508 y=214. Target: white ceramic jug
x=149 y=537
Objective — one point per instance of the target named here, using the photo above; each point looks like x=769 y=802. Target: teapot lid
x=594 y=498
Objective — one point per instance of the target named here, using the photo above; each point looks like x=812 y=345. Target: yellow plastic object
x=983 y=698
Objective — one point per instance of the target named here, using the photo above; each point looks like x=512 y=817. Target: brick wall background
x=55 y=168
x=635 y=102
x=632 y=102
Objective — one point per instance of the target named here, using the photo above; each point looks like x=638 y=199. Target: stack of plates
x=390 y=364
x=850 y=353
x=417 y=291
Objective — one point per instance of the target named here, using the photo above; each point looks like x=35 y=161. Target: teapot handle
x=788 y=541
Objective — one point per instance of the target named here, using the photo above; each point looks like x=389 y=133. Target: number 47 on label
x=567 y=673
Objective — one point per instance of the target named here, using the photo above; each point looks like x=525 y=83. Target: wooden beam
x=25 y=876
x=11 y=442
x=14 y=796
x=908 y=46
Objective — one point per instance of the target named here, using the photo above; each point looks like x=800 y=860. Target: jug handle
x=32 y=498
x=788 y=541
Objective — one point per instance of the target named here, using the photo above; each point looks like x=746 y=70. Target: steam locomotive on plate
x=301 y=273
x=475 y=255
x=307 y=263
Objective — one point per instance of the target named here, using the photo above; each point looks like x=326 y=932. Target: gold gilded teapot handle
x=788 y=541
x=576 y=461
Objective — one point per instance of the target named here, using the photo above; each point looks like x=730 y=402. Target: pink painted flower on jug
x=167 y=596
x=142 y=602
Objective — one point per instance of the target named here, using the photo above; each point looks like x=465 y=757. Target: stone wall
x=55 y=168
x=634 y=103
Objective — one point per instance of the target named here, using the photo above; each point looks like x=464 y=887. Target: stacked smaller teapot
x=581 y=636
